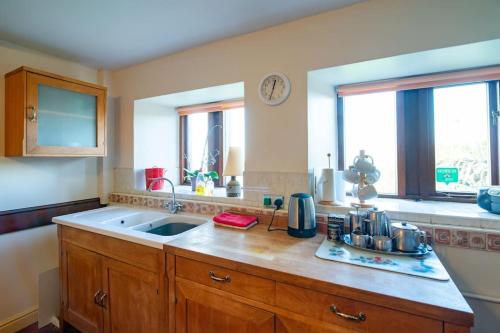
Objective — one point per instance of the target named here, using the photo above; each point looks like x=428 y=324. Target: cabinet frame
x=117 y=262
x=21 y=98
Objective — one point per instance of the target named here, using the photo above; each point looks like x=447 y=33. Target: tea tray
x=422 y=251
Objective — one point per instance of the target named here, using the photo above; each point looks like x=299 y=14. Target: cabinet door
x=287 y=325
x=200 y=311
x=81 y=279
x=64 y=118
x=133 y=301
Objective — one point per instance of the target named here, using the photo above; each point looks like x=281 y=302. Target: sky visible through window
x=197 y=127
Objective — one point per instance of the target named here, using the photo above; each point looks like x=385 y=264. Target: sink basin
x=171 y=229
x=134 y=219
x=170 y=226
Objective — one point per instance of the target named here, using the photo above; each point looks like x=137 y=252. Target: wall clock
x=274 y=88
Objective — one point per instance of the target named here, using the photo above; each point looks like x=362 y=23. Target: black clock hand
x=272 y=91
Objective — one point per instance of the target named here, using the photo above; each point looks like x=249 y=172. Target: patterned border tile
x=460 y=238
x=442 y=236
x=477 y=240
x=493 y=242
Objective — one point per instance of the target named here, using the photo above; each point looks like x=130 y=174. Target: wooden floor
x=47 y=329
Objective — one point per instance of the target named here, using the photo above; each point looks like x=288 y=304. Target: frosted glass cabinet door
x=64 y=118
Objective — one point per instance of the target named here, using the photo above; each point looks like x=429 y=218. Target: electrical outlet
x=279 y=197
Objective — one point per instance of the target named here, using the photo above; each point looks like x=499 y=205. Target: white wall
x=476 y=273
x=26 y=182
x=156 y=141
x=369 y=30
x=322 y=130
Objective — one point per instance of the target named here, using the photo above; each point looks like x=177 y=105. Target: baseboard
x=19 y=321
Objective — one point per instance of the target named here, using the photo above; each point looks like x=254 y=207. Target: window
x=207 y=131
x=370 y=124
x=461 y=138
x=430 y=142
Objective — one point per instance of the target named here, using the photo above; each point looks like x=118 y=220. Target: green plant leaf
x=191 y=173
x=212 y=174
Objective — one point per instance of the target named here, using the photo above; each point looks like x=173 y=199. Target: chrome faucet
x=172 y=206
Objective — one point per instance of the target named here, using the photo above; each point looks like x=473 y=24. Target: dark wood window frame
x=415 y=143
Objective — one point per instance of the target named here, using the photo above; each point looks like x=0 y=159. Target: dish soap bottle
x=200 y=184
x=209 y=187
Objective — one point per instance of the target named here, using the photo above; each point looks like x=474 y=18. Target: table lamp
x=233 y=168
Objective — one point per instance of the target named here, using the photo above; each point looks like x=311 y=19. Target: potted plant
x=192 y=174
x=209 y=158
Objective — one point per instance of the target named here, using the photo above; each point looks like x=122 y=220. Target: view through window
x=208 y=136
x=370 y=124
x=461 y=136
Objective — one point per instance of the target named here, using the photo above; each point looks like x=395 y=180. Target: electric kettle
x=301 y=216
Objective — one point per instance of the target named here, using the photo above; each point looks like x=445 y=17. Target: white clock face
x=274 y=89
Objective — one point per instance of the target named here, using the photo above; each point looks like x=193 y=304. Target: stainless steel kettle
x=301 y=216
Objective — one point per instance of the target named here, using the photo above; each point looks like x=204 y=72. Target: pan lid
x=404 y=226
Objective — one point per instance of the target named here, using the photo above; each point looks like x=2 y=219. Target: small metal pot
x=360 y=240
x=407 y=237
x=382 y=243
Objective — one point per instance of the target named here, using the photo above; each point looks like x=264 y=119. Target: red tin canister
x=152 y=173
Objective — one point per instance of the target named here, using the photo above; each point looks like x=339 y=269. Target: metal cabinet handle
x=225 y=279
x=96 y=295
x=360 y=317
x=101 y=300
x=34 y=114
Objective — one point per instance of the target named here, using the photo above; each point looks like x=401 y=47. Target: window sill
x=456 y=214
x=183 y=192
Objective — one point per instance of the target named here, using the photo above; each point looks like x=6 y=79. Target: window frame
x=415 y=143
x=216 y=111
x=215 y=141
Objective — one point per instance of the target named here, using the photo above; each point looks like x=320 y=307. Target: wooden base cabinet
x=81 y=288
x=213 y=298
x=200 y=311
x=134 y=303
x=102 y=294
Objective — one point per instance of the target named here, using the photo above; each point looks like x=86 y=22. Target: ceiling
x=480 y=54
x=116 y=33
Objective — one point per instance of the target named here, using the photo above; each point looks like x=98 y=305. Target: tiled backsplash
x=256 y=184
x=469 y=238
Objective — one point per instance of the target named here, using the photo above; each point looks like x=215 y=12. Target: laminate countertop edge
x=207 y=245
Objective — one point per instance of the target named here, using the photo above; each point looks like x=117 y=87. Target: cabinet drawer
x=241 y=284
x=138 y=255
x=319 y=305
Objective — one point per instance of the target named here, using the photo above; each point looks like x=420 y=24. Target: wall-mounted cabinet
x=51 y=115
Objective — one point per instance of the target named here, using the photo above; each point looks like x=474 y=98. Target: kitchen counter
x=275 y=255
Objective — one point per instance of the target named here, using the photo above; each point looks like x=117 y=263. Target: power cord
x=278 y=203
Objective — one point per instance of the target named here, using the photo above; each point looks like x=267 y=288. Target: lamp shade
x=234 y=163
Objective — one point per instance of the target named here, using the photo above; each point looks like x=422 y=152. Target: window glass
x=234 y=134
x=462 y=138
x=197 y=127
x=370 y=124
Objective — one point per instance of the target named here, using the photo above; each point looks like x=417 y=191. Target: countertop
x=277 y=256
